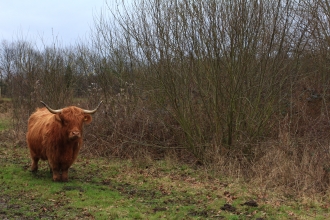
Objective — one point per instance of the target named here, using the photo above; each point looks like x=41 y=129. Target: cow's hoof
x=56 y=178
x=65 y=179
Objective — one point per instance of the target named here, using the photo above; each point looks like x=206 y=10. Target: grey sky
x=37 y=20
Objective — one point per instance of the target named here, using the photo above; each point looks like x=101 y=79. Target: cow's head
x=72 y=119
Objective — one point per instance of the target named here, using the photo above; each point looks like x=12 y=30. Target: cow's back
x=38 y=126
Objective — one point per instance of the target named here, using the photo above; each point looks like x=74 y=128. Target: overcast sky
x=36 y=20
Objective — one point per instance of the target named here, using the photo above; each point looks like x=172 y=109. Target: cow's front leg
x=54 y=168
x=65 y=177
x=56 y=174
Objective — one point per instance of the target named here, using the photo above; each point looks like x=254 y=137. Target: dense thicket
x=232 y=82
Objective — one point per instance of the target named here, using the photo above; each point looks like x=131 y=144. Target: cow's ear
x=58 y=118
x=87 y=118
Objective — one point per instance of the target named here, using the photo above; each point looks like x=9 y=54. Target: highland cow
x=56 y=136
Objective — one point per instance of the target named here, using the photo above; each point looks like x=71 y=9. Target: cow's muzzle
x=74 y=135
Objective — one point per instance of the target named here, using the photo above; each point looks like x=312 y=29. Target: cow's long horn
x=92 y=111
x=50 y=109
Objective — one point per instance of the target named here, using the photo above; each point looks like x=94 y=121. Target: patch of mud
x=251 y=203
x=228 y=207
x=71 y=188
x=159 y=209
x=203 y=213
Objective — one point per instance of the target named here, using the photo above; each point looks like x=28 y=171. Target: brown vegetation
x=241 y=87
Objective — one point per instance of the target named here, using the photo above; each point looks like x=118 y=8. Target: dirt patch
x=71 y=188
x=251 y=203
x=228 y=207
x=203 y=213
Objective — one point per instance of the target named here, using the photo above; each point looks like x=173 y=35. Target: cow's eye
x=64 y=122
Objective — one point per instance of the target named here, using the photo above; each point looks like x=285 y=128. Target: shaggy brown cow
x=56 y=136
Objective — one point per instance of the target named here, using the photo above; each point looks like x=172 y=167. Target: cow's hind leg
x=50 y=168
x=34 y=166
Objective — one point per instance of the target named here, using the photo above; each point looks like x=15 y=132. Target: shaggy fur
x=56 y=138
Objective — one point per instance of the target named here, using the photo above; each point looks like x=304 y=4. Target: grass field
x=99 y=188
x=103 y=188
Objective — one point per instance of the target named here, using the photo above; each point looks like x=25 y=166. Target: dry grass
x=100 y=188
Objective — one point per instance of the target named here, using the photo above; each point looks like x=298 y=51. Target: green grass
x=99 y=188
